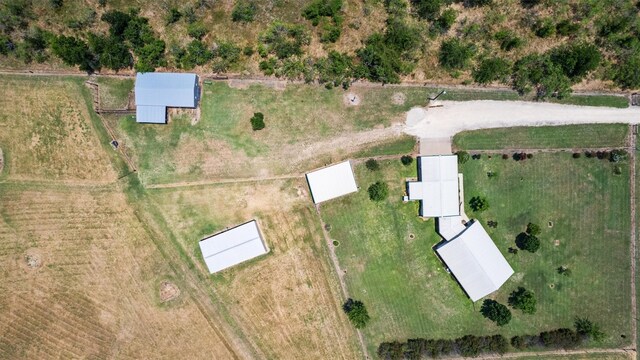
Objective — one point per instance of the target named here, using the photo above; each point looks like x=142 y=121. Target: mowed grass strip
x=543 y=137
x=409 y=294
x=614 y=101
x=114 y=92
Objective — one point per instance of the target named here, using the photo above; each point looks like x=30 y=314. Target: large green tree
x=357 y=313
x=496 y=312
x=523 y=299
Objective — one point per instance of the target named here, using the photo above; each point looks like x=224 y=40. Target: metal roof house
x=437 y=186
x=155 y=92
x=475 y=261
x=233 y=246
x=332 y=182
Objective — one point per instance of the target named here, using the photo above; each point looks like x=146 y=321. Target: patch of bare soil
x=398 y=98
x=168 y=291
x=1 y=161
x=33 y=259
x=352 y=99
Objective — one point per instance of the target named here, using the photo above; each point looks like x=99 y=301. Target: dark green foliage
x=331 y=33
x=617 y=155
x=627 y=72
x=6 y=44
x=85 y=19
x=472 y=346
x=427 y=9
x=533 y=229
x=73 y=52
x=528 y=242
x=463 y=157
x=567 y=28
x=196 y=53
x=118 y=22
x=544 y=28
x=560 y=339
x=226 y=55
x=335 y=69
x=444 y=22
x=285 y=40
x=588 y=329
x=378 y=191
x=406 y=160
x=196 y=30
x=563 y=270
x=476 y=3
x=385 y=57
x=508 y=40
x=56 y=4
x=247 y=50
x=102 y=3
x=244 y=11
x=372 y=164
x=529 y=3
x=111 y=52
x=257 y=121
x=468 y=346
x=391 y=350
x=479 y=204
x=14 y=15
x=396 y=7
x=33 y=47
x=173 y=16
x=576 y=60
x=490 y=70
x=540 y=73
x=523 y=299
x=454 y=54
x=321 y=8
x=496 y=312
x=357 y=313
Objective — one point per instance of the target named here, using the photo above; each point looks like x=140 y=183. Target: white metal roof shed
x=437 y=186
x=233 y=246
x=156 y=91
x=332 y=182
x=475 y=261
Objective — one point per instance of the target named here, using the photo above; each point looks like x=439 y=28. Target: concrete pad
x=435 y=146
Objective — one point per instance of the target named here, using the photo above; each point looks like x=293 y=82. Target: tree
x=454 y=54
x=587 y=328
x=617 y=155
x=444 y=22
x=257 y=121
x=378 y=191
x=73 y=52
x=479 y=204
x=627 y=72
x=427 y=9
x=372 y=164
x=112 y=52
x=533 y=229
x=496 y=312
x=536 y=71
x=285 y=40
x=196 y=30
x=528 y=242
x=560 y=339
x=173 y=16
x=490 y=70
x=243 y=11
x=523 y=299
x=406 y=160
x=576 y=60
x=357 y=313
x=463 y=157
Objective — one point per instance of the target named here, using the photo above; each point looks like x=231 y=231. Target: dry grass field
x=293 y=306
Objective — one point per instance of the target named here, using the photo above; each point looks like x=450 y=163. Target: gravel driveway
x=455 y=116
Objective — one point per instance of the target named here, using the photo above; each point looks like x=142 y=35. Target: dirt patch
x=168 y=291
x=352 y=99
x=398 y=98
x=1 y=161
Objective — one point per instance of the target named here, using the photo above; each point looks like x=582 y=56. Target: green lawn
x=408 y=293
x=114 y=92
x=566 y=136
x=595 y=100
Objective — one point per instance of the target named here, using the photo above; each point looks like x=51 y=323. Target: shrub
x=523 y=299
x=505 y=156
x=73 y=52
x=528 y=242
x=617 y=170
x=537 y=72
x=529 y=156
x=463 y=157
x=444 y=22
x=257 y=121
x=544 y=28
x=627 y=72
x=372 y=164
x=560 y=339
x=567 y=28
x=454 y=54
x=321 y=8
x=113 y=53
x=496 y=312
x=427 y=9
x=284 y=40
x=563 y=270
x=247 y=50
x=490 y=70
x=196 y=30
x=243 y=11
x=357 y=313
x=533 y=229
x=225 y=55
x=406 y=160
x=479 y=204
x=378 y=191
x=173 y=16
x=576 y=60
x=617 y=155
x=587 y=328
x=508 y=40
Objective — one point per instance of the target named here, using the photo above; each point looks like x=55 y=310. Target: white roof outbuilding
x=332 y=182
x=437 y=186
x=475 y=261
x=155 y=92
x=233 y=246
